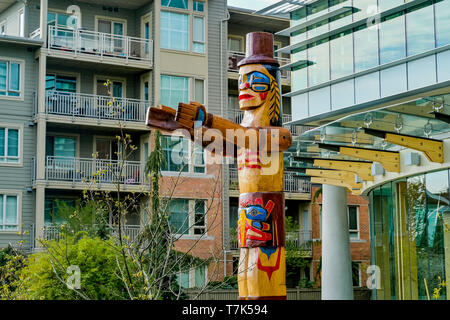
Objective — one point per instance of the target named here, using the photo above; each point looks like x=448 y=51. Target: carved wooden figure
x=261 y=234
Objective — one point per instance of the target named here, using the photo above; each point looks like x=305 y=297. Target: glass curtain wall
x=411 y=240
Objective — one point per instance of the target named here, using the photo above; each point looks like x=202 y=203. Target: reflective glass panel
x=174 y=31
x=179 y=216
x=181 y=4
x=420 y=29
x=442 y=12
x=341 y=49
x=392 y=39
x=319 y=71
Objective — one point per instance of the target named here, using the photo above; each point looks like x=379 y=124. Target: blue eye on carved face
x=259 y=82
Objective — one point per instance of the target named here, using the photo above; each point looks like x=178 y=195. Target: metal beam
x=441 y=116
x=389 y=159
x=362 y=168
x=432 y=148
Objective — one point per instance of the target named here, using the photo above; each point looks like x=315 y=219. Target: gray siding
x=11 y=15
x=20 y=113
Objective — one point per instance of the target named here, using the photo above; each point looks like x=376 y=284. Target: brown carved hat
x=259 y=49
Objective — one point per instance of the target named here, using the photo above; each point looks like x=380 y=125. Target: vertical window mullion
x=6 y=153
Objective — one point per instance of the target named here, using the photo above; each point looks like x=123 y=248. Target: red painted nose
x=246 y=85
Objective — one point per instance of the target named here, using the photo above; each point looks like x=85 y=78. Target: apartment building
x=59 y=122
x=374 y=77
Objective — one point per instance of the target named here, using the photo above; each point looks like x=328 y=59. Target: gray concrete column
x=336 y=260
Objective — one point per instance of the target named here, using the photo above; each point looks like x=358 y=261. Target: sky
x=251 y=4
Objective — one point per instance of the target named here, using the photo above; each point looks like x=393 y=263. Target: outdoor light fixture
x=377 y=169
x=412 y=159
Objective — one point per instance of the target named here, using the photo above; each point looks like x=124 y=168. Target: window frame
x=191 y=165
x=21 y=21
x=18 y=194
x=21 y=64
x=3 y=25
x=198 y=16
x=59 y=11
x=358 y=264
x=191 y=13
x=191 y=220
x=20 y=129
x=98 y=77
x=356 y=231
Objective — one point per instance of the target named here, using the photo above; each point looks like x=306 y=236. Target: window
x=420 y=29
x=3 y=28
x=62 y=147
x=353 y=222
x=199 y=35
x=115 y=89
x=200 y=276
x=179 y=216
x=442 y=12
x=174 y=31
x=182 y=155
x=52 y=210
x=366 y=48
x=199 y=95
x=199 y=217
x=180 y=4
x=174 y=89
x=21 y=24
x=62 y=83
x=60 y=19
x=341 y=55
x=187 y=217
x=9 y=145
x=356 y=274
x=176 y=151
x=392 y=38
x=107 y=148
x=319 y=71
x=199 y=6
x=234 y=44
x=10 y=79
x=9 y=212
x=192 y=278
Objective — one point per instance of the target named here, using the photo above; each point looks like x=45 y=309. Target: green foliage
x=229 y=282
x=45 y=273
x=305 y=283
x=11 y=264
x=290 y=224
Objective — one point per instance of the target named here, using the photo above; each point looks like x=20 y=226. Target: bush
x=11 y=264
x=46 y=273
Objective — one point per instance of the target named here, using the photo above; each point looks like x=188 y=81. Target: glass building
x=373 y=77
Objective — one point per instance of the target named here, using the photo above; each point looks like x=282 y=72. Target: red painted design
x=269 y=269
x=263 y=95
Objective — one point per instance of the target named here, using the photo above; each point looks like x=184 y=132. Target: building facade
x=59 y=121
x=374 y=77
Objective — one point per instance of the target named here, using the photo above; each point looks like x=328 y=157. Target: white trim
x=77 y=75
x=3 y=24
x=18 y=194
x=19 y=127
x=21 y=12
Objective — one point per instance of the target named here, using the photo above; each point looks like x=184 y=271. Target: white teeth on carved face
x=253 y=233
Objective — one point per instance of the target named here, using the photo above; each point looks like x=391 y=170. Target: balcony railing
x=36 y=34
x=94 y=106
x=300 y=240
x=292 y=182
x=235 y=57
x=295 y=130
x=53 y=232
x=98 y=170
x=100 y=44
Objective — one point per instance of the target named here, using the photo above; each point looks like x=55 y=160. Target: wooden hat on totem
x=259 y=49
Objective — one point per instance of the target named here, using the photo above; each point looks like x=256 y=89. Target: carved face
x=258 y=88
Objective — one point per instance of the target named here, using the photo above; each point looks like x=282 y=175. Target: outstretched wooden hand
x=169 y=119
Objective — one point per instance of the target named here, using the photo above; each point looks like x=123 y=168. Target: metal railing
x=35 y=34
x=235 y=57
x=98 y=170
x=53 y=232
x=100 y=44
x=237 y=116
x=300 y=240
x=94 y=106
x=292 y=182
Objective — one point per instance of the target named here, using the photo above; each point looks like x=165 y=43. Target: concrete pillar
x=336 y=260
x=43 y=21
x=40 y=212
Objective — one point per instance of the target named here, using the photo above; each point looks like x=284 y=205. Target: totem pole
x=261 y=234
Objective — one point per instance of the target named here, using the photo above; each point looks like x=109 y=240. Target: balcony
x=292 y=182
x=85 y=171
x=237 y=116
x=299 y=240
x=101 y=46
x=235 y=57
x=53 y=232
x=84 y=106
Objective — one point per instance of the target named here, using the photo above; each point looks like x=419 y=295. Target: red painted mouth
x=246 y=97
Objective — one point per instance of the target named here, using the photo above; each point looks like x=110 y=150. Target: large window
x=180 y=4
x=9 y=145
x=341 y=49
x=10 y=79
x=174 y=89
x=366 y=48
x=199 y=35
x=53 y=209
x=319 y=55
x=420 y=29
x=61 y=146
x=9 y=212
x=174 y=31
